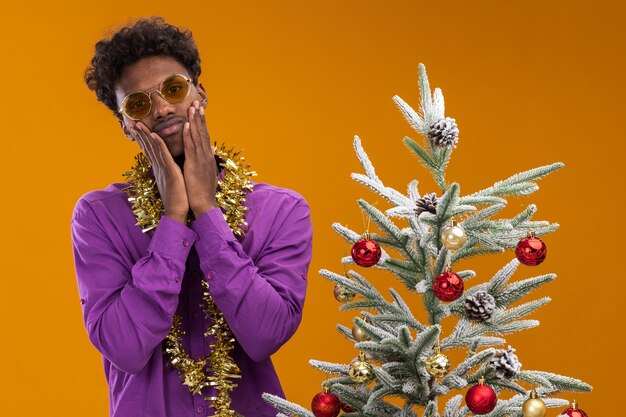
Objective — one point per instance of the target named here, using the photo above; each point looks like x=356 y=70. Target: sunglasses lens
x=137 y=106
x=175 y=88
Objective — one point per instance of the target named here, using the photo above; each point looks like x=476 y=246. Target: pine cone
x=506 y=363
x=480 y=306
x=444 y=132
x=427 y=203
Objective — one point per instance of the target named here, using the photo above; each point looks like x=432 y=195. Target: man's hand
x=200 y=168
x=167 y=173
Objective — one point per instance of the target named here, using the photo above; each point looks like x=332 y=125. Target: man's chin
x=177 y=153
x=176 y=148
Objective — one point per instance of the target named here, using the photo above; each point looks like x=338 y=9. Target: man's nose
x=160 y=107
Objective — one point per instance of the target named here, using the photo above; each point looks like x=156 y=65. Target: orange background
x=529 y=83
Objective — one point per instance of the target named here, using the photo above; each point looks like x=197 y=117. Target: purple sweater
x=132 y=283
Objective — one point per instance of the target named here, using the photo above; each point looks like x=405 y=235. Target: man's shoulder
x=267 y=193
x=112 y=192
x=111 y=196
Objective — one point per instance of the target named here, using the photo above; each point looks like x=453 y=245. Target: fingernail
x=186 y=125
x=202 y=111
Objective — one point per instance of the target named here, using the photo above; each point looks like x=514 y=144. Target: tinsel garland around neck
x=148 y=207
x=231 y=193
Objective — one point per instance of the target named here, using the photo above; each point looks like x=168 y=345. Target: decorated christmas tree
x=400 y=367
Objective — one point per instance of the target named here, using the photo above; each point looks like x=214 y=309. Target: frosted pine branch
x=449 y=200
x=376 y=333
x=521 y=183
x=502 y=322
x=517 y=290
x=502 y=384
x=427 y=107
x=364 y=160
x=431 y=409
x=388 y=193
x=499 y=280
x=562 y=383
x=371 y=180
x=481 y=199
x=516 y=313
x=348 y=234
x=422 y=155
x=439 y=106
x=524 y=215
x=466 y=366
x=354 y=397
x=415 y=120
x=287 y=407
x=382 y=221
x=358 y=285
x=452 y=406
x=412 y=190
x=329 y=367
x=535 y=379
x=482 y=215
x=345 y=331
x=424 y=342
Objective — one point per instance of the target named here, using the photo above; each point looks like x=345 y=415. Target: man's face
x=166 y=119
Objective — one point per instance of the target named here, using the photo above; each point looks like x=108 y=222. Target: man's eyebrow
x=142 y=90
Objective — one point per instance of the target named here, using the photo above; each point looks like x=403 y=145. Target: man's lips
x=169 y=127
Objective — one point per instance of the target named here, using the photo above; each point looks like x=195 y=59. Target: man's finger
x=204 y=133
x=139 y=141
x=195 y=133
x=146 y=144
x=145 y=133
x=152 y=139
x=159 y=145
x=188 y=145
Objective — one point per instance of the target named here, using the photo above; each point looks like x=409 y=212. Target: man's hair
x=143 y=38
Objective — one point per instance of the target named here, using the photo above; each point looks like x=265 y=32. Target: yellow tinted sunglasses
x=173 y=89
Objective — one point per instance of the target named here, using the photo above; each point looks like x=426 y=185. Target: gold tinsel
x=221 y=365
x=144 y=194
x=232 y=189
x=230 y=195
x=148 y=208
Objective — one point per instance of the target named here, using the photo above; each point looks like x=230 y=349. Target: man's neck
x=180 y=161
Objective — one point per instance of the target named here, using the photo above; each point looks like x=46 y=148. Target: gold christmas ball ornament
x=360 y=370
x=359 y=334
x=437 y=364
x=534 y=406
x=453 y=237
x=342 y=294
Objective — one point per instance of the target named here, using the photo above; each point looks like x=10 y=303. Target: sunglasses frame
x=148 y=93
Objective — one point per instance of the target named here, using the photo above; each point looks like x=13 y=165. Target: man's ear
x=203 y=95
x=125 y=129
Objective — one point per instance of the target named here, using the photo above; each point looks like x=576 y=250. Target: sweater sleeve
x=128 y=309
x=261 y=300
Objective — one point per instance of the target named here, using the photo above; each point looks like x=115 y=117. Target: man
x=147 y=295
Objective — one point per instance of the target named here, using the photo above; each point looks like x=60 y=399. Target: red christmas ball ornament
x=366 y=252
x=448 y=286
x=481 y=398
x=325 y=404
x=574 y=411
x=531 y=250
